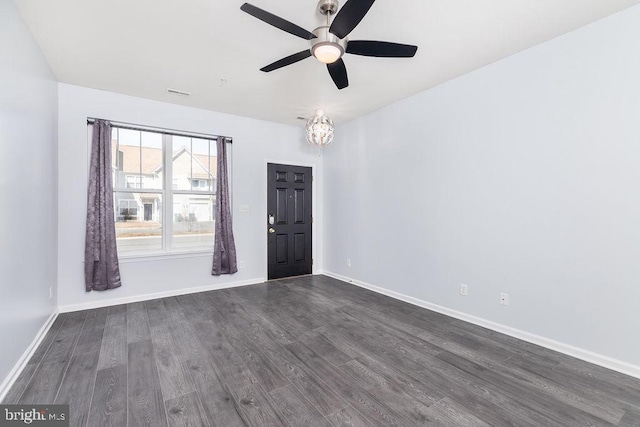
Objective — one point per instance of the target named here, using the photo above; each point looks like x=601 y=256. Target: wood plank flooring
x=309 y=351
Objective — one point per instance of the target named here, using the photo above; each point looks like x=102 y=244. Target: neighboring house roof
x=131 y=161
x=152 y=161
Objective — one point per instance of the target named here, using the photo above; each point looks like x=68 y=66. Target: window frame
x=167 y=192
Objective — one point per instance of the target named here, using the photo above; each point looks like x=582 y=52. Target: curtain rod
x=132 y=126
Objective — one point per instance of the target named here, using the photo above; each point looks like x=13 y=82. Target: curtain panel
x=224 y=248
x=101 y=255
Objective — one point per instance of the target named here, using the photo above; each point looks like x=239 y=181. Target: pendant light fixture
x=319 y=129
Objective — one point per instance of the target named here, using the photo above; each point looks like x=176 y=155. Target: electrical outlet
x=241 y=264
x=51 y=292
x=504 y=298
x=464 y=290
x=348 y=262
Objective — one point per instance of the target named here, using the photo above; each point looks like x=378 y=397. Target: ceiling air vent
x=178 y=92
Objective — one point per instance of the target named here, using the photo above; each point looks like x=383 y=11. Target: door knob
x=272 y=230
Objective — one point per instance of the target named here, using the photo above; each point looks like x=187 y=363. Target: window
x=164 y=191
x=199 y=183
x=134 y=181
x=127 y=209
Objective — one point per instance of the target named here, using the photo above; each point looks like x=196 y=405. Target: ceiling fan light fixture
x=319 y=129
x=326 y=47
x=327 y=52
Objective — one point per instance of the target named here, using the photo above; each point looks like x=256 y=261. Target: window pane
x=201 y=172
x=138 y=219
x=128 y=174
x=151 y=162
x=193 y=220
x=194 y=164
x=181 y=163
x=137 y=158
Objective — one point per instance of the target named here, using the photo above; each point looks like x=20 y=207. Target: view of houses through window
x=164 y=191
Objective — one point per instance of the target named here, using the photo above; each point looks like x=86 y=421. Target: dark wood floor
x=309 y=351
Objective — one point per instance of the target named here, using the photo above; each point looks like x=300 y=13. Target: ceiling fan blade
x=277 y=22
x=349 y=16
x=291 y=59
x=381 y=49
x=338 y=73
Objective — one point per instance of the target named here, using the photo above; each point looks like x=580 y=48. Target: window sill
x=159 y=256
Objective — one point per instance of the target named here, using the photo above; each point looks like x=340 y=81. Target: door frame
x=316 y=245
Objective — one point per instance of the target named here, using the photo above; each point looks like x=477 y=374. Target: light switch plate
x=244 y=208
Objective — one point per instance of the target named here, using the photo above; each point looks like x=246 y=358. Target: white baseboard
x=579 y=353
x=146 y=297
x=24 y=359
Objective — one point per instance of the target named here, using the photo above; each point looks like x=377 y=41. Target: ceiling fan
x=329 y=43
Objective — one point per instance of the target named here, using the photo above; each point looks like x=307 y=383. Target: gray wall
x=28 y=188
x=521 y=177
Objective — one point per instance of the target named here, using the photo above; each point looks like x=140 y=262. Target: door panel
x=289 y=237
x=282 y=248
x=299 y=247
x=281 y=206
x=298 y=202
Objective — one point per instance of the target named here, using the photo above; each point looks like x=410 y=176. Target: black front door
x=289 y=220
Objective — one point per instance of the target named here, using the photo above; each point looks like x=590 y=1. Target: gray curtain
x=100 y=252
x=224 y=247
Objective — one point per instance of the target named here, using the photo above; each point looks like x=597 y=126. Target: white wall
x=521 y=177
x=28 y=168
x=254 y=143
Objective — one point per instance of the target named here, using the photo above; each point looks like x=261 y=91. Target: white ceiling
x=143 y=47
